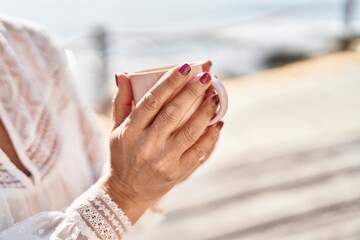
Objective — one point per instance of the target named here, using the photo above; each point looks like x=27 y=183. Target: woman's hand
x=149 y=154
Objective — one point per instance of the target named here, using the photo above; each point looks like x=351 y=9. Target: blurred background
x=288 y=163
x=241 y=37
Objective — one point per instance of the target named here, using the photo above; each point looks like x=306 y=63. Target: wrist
x=133 y=206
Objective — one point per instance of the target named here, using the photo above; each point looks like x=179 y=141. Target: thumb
x=122 y=100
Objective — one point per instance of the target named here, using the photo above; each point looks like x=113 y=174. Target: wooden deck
x=287 y=165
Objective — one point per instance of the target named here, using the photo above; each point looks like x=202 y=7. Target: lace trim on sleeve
x=102 y=214
x=73 y=227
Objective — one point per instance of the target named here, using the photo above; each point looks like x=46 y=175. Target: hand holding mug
x=150 y=153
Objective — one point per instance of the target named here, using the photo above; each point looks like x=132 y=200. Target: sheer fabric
x=57 y=139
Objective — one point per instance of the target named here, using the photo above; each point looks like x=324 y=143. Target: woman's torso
x=47 y=141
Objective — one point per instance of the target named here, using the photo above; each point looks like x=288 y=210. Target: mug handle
x=223 y=97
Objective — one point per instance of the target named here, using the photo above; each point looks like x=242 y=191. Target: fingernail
x=216 y=99
x=185 y=69
x=205 y=78
x=210 y=63
x=116 y=81
x=219 y=125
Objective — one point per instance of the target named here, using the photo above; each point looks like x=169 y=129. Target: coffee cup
x=142 y=81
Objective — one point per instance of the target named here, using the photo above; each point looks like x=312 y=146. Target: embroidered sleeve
x=94 y=215
x=101 y=214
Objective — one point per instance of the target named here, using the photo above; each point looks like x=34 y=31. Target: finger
x=188 y=134
x=210 y=90
x=208 y=154
x=195 y=155
x=122 y=100
x=202 y=160
x=174 y=111
x=149 y=106
x=206 y=65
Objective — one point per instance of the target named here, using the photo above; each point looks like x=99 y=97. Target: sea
x=239 y=36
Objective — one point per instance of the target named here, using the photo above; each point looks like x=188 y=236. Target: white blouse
x=56 y=138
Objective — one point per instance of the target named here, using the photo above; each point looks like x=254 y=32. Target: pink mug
x=142 y=81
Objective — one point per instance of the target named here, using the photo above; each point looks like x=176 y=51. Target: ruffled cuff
x=101 y=215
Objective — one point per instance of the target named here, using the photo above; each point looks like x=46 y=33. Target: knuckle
x=192 y=91
x=125 y=134
x=189 y=134
x=214 y=135
x=176 y=74
x=209 y=111
x=167 y=174
x=128 y=126
x=145 y=154
x=173 y=80
x=199 y=152
x=151 y=102
x=171 y=113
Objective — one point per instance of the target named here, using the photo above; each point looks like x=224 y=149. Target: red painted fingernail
x=216 y=99
x=219 y=125
x=116 y=80
x=205 y=78
x=185 y=69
